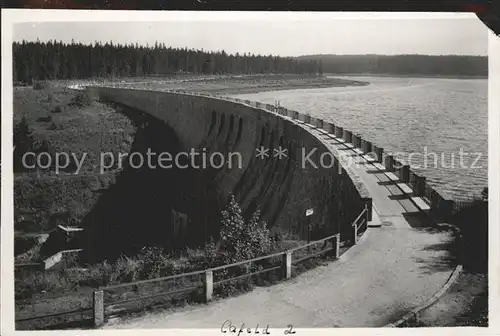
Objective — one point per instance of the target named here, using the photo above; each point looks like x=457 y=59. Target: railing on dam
x=107 y=300
x=432 y=200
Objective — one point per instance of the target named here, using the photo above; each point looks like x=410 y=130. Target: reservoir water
x=442 y=123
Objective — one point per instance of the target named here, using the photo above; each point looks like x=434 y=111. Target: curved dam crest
x=281 y=188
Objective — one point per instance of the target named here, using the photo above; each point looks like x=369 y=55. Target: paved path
x=394 y=269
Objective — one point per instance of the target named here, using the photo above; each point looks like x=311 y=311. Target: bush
x=243 y=241
x=473 y=224
x=39 y=85
x=55 y=127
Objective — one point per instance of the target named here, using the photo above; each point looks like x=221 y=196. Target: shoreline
x=285 y=87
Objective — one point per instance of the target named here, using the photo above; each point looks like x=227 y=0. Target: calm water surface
x=433 y=118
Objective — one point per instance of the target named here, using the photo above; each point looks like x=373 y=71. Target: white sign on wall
x=309 y=212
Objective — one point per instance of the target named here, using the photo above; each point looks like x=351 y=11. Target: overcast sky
x=292 y=36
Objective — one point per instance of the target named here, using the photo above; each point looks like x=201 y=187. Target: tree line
x=58 y=60
x=445 y=65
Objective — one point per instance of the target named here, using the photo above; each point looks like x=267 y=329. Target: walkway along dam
x=399 y=264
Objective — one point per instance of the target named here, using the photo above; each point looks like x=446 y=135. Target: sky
x=285 y=35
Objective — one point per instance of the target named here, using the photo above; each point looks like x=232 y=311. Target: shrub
x=55 y=126
x=154 y=258
x=127 y=270
x=211 y=253
x=243 y=241
x=81 y=99
x=24 y=141
x=44 y=119
x=38 y=86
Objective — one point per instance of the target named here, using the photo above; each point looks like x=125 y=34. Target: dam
x=394 y=268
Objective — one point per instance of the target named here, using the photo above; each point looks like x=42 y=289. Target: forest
x=58 y=60
x=445 y=65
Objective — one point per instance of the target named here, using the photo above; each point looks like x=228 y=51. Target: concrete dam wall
x=282 y=188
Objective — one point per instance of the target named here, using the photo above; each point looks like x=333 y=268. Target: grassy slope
x=465 y=304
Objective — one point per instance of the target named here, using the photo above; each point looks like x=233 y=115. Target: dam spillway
x=282 y=188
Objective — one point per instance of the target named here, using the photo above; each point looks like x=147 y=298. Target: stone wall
x=282 y=189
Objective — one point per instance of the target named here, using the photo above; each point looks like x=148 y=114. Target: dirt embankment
x=232 y=84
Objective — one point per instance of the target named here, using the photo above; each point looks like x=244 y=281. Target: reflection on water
x=435 y=119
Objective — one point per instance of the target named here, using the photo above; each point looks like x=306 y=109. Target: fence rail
x=360 y=225
x=69 y=312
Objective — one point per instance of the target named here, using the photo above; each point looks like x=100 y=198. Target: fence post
x=339 y=131
x=355 y=233
x=367 y=146
x=419 y=185
x=445 y=208
x=331 y=128
x=345 y=135
x=349 y=137
x=98 y=307
x=389 y=163
x=379 y=152
x=336 y=247
x=287 y=264
x=209 y=285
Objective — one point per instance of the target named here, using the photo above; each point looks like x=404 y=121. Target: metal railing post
x=369 y=208
x=287 y=265
x=98 y=307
